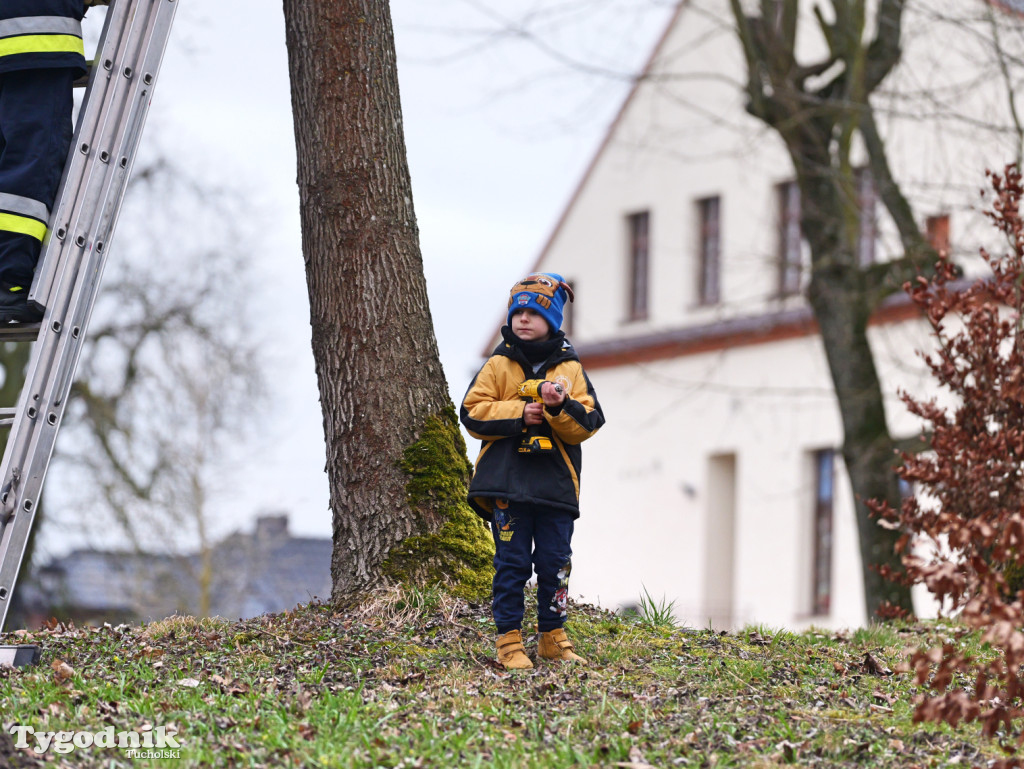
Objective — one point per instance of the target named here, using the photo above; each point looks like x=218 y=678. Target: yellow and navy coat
x=493 y=412
x=41 y=34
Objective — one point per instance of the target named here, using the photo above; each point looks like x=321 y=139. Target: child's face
x=530 y=326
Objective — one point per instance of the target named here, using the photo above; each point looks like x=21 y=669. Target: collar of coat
x=551 y=351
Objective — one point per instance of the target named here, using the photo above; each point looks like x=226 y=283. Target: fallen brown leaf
x=62 y=671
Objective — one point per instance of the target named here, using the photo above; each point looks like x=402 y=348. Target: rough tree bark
x=378 y=369
x=818 y=124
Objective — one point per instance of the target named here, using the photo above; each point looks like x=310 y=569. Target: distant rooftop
x=267 y=570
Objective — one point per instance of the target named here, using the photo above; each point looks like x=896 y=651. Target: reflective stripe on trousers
x=41 y=34
x=22 y=215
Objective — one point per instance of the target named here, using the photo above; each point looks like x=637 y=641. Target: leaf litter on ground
x=407 y=677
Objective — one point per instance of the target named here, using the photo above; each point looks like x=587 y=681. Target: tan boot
x=555 y=645
x=511 y=653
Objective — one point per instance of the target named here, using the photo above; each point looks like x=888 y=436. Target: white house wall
x=644 y=521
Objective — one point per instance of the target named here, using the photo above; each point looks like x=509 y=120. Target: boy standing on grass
x=529 y=489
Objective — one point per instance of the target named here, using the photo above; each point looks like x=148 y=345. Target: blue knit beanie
x=543 y=292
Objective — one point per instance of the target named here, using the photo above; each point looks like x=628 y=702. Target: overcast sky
x=498 y=131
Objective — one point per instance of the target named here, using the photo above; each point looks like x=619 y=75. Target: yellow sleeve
x=581 y=415
x=485 y=414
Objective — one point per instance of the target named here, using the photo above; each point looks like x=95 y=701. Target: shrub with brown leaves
x=964 y=527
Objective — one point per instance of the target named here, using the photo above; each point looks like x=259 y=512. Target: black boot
x=15 y=307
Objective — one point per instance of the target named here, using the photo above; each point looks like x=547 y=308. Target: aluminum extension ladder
x=110 y=123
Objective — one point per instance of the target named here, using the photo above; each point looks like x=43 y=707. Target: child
x=531 y=497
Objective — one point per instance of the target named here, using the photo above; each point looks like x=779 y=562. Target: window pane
x=709 y=250
x=937 y=232
x=867 y=203
x=639 y=226
x=790 y=238
x=821 y=596
x=568 y=313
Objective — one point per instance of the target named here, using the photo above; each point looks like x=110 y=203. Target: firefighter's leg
x=35 y=121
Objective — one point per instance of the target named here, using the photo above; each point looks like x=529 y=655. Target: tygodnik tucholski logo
x=159 y=742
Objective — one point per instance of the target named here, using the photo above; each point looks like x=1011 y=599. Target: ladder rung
x=7 y=417
x=19 y=332
x=19 y=655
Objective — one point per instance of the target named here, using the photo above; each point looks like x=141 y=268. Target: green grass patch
x=407 y=678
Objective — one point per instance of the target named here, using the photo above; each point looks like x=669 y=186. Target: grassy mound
x=408 y=679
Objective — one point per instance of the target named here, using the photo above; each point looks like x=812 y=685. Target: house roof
x=588 y=172
x=645 y=72
x=725 y=334
x=258 y=576
x=1013 y=6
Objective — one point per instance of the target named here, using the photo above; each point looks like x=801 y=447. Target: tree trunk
x=376 y=357
x=868 y=448
x=818 y=124
x=839 y=295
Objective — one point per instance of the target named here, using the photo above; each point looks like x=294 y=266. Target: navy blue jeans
x=528 y=537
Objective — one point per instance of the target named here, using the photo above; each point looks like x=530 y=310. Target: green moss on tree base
x=460 y=552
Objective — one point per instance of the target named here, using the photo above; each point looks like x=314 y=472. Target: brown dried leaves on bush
x=964 y=528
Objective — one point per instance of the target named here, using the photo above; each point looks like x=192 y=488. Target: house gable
x=681 y=139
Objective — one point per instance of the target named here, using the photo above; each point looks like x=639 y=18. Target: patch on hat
x=544 y=293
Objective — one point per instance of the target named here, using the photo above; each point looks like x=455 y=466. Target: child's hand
x=533 y=413
x=553 y=394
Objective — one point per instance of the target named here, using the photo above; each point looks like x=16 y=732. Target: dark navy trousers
x=35 y=134
x=529 y=537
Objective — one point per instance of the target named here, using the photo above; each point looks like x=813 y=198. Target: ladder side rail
x=29 y=450
x=18 y=498
x=123 y=140
x=87 y=201
x=17 y=503
x=104 y=219
x=99 y=78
